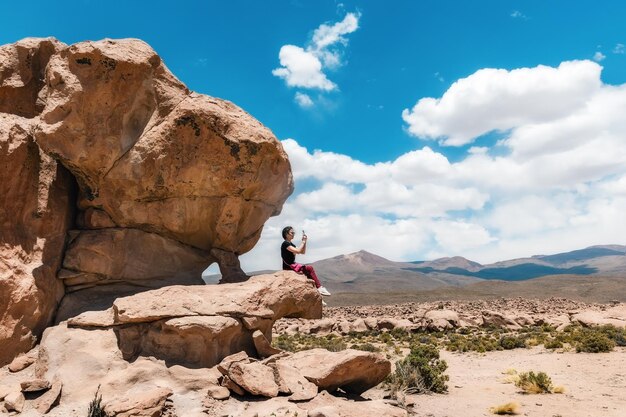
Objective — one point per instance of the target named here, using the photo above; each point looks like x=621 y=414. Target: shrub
x=285 y=342
x=332 y=343
x=618 y=335
x=474 y=343
x=553 y=344
x=594 y=342
x=399 y=333
x=95 y=406
x=367 y=347
x=535 y=383
x=511 y=342
x=421 y=371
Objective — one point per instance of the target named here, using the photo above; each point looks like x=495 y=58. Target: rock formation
x=190 y=350
x=116 y=179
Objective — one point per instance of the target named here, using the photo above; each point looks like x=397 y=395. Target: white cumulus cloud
x=497 y=99
x=304 y=67
x=303 y=100
x=301 y=68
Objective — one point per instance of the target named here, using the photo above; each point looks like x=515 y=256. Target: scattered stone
x=143 y=404
x=35 y=385
x=255 y=378
x=438 y=320
x=228 y=383
x=263 y=347
x=322 y=327
x=14 y=401
x=359 y=326
x=291 y=381
x=524 y=319
x=21 y=362
x=390 y=323
x=218 y=392
x=344 y=327
x=597 y=318
x=230 y=359
x=4 y=391
x=45 y=403
x=494 y=318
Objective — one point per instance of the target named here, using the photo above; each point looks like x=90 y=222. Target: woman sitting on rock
x=288 y=252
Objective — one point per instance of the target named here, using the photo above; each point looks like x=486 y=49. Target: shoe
x=323 y=291
x=324 y=303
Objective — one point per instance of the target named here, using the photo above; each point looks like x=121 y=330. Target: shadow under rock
x=102 y=297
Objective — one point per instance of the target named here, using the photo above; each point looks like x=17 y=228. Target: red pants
x=308 y=271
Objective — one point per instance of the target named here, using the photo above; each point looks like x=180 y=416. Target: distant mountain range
x=365 y=272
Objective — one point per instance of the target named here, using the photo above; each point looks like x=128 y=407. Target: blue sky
x=416 y=129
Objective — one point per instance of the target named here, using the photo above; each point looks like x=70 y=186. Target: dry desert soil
x=594 y=383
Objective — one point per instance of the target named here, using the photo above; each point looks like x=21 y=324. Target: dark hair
x=286 y=230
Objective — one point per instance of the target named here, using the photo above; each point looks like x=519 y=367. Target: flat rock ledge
x=200 y=325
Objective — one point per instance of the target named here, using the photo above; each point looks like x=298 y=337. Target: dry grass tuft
x=511 y=376
x=506 y=409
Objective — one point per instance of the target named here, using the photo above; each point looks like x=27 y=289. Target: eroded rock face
x=22 y=66
x=36 y=212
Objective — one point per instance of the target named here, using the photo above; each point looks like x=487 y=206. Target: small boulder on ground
x=143 y=404
x=291 y=381
x=441 y=320
x=494 y=318
x=44 y=403
x=35 y=385
x=22 y=362
x=599 y=318
x=254 y=377
x=351 y=370
x=14 y=401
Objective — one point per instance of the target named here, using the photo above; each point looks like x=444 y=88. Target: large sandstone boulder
x=154 y=156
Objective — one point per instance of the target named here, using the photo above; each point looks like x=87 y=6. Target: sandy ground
x=595 y=384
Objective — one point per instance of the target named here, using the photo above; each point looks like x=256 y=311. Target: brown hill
x=574 y=287
x=365 y=272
